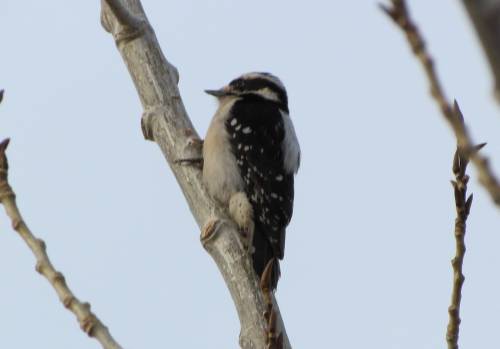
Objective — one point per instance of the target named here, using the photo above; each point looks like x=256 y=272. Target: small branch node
x=41 y=245
x=88 y=323
x=125 y=26
x=16 y=223
x=173 y=70
x=149 y=121
x=68 y=301
x=57 y=277
x=146 y=129
x=128 y=34
x=209 y=231
x=39 y=267
x=3 y=146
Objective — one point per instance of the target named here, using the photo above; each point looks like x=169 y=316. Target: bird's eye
x=237 y=84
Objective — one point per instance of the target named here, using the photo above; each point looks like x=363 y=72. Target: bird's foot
x=193 y=139
x=247 y=237
x=197 y=162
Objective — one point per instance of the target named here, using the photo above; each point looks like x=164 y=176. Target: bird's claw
x=192 y=149
x=197 y=162
x=246 y=234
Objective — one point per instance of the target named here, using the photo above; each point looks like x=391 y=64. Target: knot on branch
x=124 y=25
x=5 y=189
x=57 y=277
x=88 y=323
x=173 y=70
x=68 y=301
x=149 y=120
x=127 y=34
x=4 y=165
x=40 y=267
x=209 y=231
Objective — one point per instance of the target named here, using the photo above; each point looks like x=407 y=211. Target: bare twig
x=166 y=122
x=398 y=12
x=89 y=323
x=485 y=15
x=463 y=205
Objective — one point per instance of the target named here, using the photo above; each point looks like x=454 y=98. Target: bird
x=250 y=157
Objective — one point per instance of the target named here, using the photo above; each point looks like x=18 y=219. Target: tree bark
x=166 y=122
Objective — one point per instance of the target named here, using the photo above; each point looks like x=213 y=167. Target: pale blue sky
x=368 y=252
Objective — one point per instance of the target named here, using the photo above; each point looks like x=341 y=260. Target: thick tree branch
x=166 y=122
x=89 y=323
x=398 y=12
x=485 y=15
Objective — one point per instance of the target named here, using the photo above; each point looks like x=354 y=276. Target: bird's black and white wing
x=257 y=134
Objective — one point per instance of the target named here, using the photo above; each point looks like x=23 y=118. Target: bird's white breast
x=291 y=148
x=220 y=171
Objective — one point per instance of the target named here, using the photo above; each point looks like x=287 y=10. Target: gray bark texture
x=485 y=15
x=166 y=122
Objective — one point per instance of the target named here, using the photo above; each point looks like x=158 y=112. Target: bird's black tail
x=263 y=253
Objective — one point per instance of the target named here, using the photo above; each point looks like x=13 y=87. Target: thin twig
x=463 y=205
x=398 y=12
x=89 y=322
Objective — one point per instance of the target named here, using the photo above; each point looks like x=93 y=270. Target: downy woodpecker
x=251 y=155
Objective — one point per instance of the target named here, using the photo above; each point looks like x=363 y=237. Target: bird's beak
x=219 y=93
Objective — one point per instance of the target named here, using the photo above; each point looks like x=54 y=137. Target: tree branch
x=123 y=15
x=463 y=205
x=485 y=16
x=166 y=122
x=89 y=322
x=398 y=12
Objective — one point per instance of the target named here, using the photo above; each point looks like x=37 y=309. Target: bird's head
x=260 y=85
